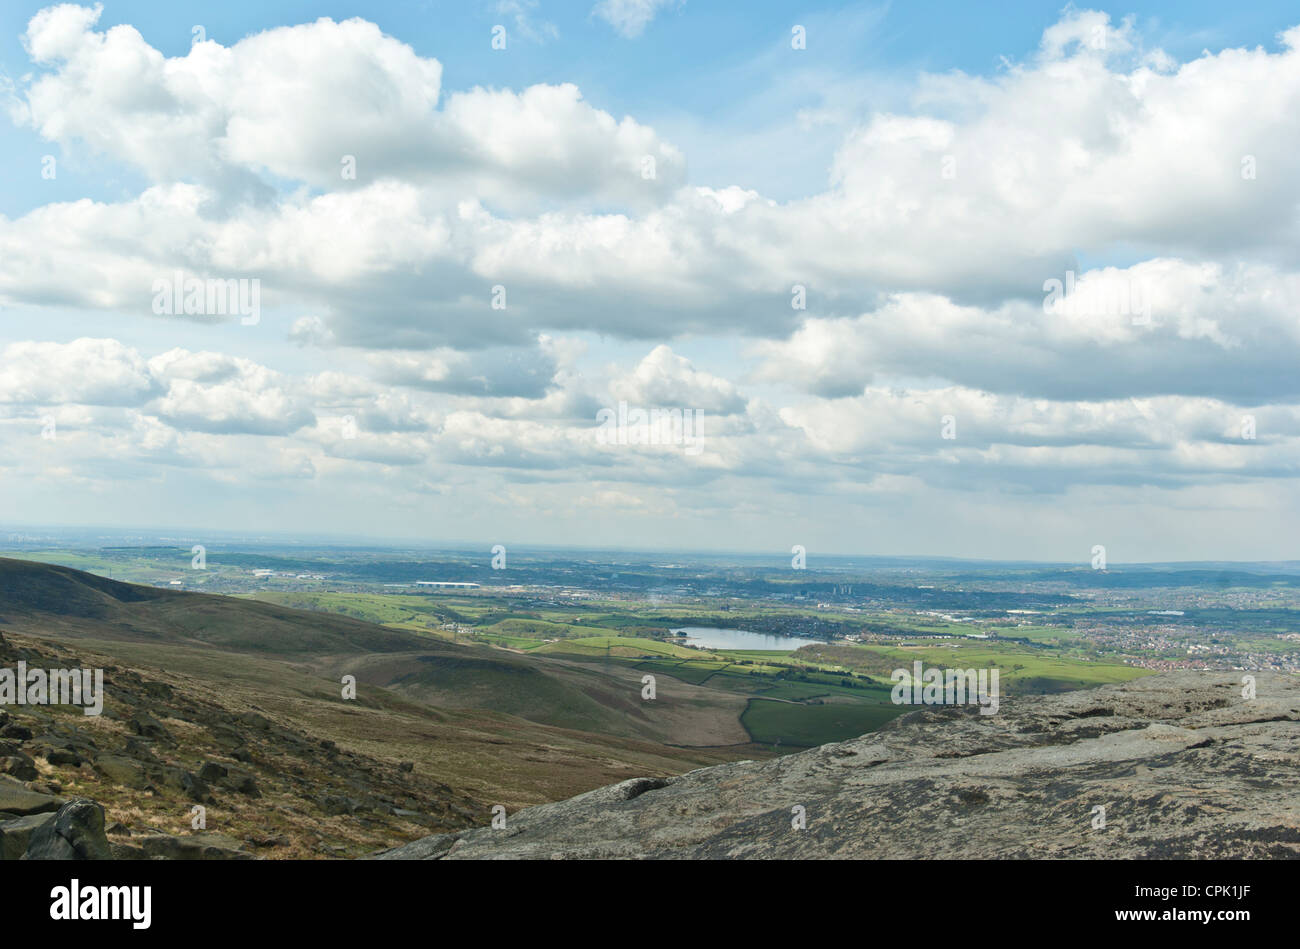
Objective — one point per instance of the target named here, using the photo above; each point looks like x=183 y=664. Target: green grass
x=696 y=672
x=806 y=726
x=384 y=609
x=540 y=629
x=1020 y=669
x=615 y=646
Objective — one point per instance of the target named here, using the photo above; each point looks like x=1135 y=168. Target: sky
x=893 y=279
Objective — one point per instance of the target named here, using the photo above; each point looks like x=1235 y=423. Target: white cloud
x=525 y=24
x=311 y=331
x=664 y=379
x=1158 y=327
x=218 y=394
x=319 y=101
x=1070 y=151
x=86 y=371
x=924 y=261
x=490 y=372
x=630 y=17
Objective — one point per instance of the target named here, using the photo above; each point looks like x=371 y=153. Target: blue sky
x=702 y=73
x=916 y=178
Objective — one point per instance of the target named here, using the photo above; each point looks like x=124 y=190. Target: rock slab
x=1176 y=765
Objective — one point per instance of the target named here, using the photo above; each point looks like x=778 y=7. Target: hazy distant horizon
x=68 y=535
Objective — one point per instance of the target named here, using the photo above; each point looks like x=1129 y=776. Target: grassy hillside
x=27 y=587
x=818 y=694
x=1021 y=669
x=808 y=725
x=621 y=646
x=463 y=678
x=491 y=725
x=81 y=604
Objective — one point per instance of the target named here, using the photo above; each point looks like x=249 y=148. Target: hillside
x=249 y=695
x=166 y=744
x=1182 y=764
x=78 y=604
x=235 y=704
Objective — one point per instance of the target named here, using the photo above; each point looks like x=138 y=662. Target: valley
x=367 y=709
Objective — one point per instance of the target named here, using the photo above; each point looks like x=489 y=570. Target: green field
x=806 y=726
x=421 y=612
x=614 y=646
x=1020 y=669
x=806 y=697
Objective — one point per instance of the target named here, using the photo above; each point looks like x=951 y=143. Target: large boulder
x=225 y=736
x=195 y=847
x=121 y=770
x=335 y=805
x=63 y=758
x=1184 y=764
x=141 y=750
x=15 y=798
x=146 y=726
x=178 y=779
x=241 y=781
x=212 y=772
x=75 y=833
x=16 y=834
x=20 y=765
x=234 y=779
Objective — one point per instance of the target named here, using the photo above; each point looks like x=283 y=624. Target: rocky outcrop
x=160 y=749
x=168 y=847
x=76 y=832
x=1168 y=766
x=16 y=834
x=17 y=799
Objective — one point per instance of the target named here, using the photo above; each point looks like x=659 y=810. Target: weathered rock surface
x=17 y=798
x=160 y=748
x=16 y=834
x=196 y=847
x=1182 y=764
x=75 y=833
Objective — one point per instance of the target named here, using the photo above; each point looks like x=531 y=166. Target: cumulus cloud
x=986 y=189
x=326 y=103
x=210 y=392
x=1158 y=327
x=200 y=391
x=311 y=331
x=487 y=230
x=526 y=373
x=665 y=379
x=87 y=371
x=960 y=437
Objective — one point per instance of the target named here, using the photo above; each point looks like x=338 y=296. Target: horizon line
x=358 y=541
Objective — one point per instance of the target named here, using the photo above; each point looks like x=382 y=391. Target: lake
x=707 y=637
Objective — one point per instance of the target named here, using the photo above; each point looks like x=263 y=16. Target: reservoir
x=709 y=638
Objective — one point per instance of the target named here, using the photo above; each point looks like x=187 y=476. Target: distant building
x=444 y=583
